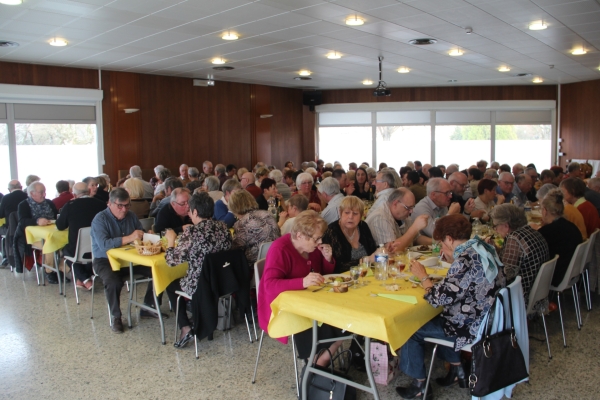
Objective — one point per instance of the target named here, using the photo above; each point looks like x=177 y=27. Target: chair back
x=574 y=269
x=590 y=250
x=541 y=285
x=84 y=245
x=147 y=223
x=259 y=268
x=263 y=250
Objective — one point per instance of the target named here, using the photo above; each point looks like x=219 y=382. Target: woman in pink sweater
x=296 y=261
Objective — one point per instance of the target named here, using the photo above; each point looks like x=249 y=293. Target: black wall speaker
x=312 y=99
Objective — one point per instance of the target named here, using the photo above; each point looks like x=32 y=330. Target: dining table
x=162 y=276
x=52 y=240
x=372 y=311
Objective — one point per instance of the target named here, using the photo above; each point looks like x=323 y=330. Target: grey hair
x=14 y=186
x=452 y=168
x=495 y=165
x=105 y=176
x=311 y=170
x=553 y=202
x=519 y=166
x=594 y=183
x=135 y=171
x=434 y=184
x=193 y=172
x=544 y=190
x=85 y=190
x=304 y=165
x=397 y=179
x=230 y=185
x=490 y=174
x=371 y=172
x=304 y=177
x=329 y=186
x=504 y=175
x=158 y=169
x=118 y=194
x=177 y=191
x=30 y=179
x=212 y=183
x=573 y=166
x=33 y=185
x=397 y=194
x=509 y=214
x=219 y=168
x=388 y=177
x=276 y=175
x=312 y=164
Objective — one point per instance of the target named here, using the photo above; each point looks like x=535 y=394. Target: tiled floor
x=51 y=349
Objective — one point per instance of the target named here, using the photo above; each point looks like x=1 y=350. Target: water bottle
x=527 y=209
x=381 y=263
x=476 y=227
x=272 y=207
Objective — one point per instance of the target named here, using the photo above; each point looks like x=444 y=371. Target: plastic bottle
x=476 y=227
x=381 y=263
x=272 y=207
x=527 y=209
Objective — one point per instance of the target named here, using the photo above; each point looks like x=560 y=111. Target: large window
x=345 y=144
x=519 y=143
x=396 y=145
x=4 y=158
x=455 y=143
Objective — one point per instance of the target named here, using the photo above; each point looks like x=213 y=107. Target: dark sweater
x=77 y=214
x=342 y=249
x=563 y=237
x=168 y=218
x=10 y=203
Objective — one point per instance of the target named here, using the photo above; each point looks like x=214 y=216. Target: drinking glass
x=394 y=271
x=355 y=274
x=364 y=269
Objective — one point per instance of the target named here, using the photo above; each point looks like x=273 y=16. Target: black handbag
x=322 y=388
x=497 y=359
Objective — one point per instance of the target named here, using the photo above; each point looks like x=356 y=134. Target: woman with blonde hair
x=139 y=205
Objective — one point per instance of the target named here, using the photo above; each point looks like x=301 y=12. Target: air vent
x=422 y=42
x=302 y=78
x=6 y=43
x=223 y=68
x=523 y=75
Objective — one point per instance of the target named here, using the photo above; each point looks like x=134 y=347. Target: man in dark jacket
x=175 y=214
x=8 y=205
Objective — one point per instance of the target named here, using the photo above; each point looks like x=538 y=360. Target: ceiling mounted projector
x=381 y=89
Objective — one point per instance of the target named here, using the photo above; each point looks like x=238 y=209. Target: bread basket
x=148 y=249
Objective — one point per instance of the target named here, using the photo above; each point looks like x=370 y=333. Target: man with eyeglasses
x=506 y=182
x=385 y=183
x=175 y=214
x=459 y=184
x=114 y=227
x=391 y=224
x=248 y=184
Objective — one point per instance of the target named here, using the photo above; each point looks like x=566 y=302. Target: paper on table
x=152 y=238
x=399 y=297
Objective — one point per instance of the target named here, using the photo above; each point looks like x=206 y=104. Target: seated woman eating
x=206 y=236
x=296 y=261
x=488 y=198
x=350 y=236
x=466 y=294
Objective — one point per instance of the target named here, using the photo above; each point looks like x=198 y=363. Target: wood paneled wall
x=580 y=120
x=44 y=75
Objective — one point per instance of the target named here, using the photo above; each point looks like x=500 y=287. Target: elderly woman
x=304 y=183
x=261 y=173
x=282 y=188
x=155 y=180
x=295 y=205
x=466 y=295
x=222 y=212
x=350 y=237
x=296 y=261
x=35 y=210
x=206 y=236
x=211 y=185
x=92 y=185
x=103 y=189
x=524 y=250
x=362 y=187
x=573 y=190
x=562 y=236
x=488 y=198
x=139 y=206
x=253 y=227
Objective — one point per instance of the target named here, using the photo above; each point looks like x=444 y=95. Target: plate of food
x=421 y=249
x=340 y=278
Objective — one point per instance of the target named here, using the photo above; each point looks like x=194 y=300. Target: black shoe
x=455 y=375
x=151 y=314
x=19 y=270
x=51 y=277
x=184 y=340
x=414 y=391
x=117 y=325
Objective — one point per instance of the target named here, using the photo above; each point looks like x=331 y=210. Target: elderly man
x=482 y=166
x=517 y=169
x=391 y=224
x=248 y=184
x=329 y=191
x=495 y=165
x=491 y=174
x=114 y=227
x=64 y=194
x=10 y=202
x=34 y=210
x=163 y=175
x=523 y=185
x=436 y=204
x=194 y=182
x=221 y=173
x=452 y=168
x=207 y=170
x=183 y=174
x=425 y=169
x=574 y=170
x=76 y=214
x=342 y=178
x=175 y=214
x=211 y=186
x=136 y=172
x=546 y=176
x=459 y=184
x=506 y=182
x=594 y=184
x=385 y=183
x=222 y=212
x=161 y=200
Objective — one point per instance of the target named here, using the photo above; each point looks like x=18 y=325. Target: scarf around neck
x=489 y=258
x=40 y=210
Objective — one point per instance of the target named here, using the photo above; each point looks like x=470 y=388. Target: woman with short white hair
x=304 y=183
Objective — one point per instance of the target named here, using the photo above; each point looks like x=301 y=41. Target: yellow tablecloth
x=53 y=238
x=162 y=274
x=2 y=221
x=357 y=311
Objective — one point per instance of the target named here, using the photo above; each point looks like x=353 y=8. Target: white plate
x=430 y=262
x=52 y=221
x=416 y=248
x=446 y=264
x=345 y=276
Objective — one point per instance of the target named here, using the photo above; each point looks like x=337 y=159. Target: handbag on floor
x=322 y=388
x=497 y=358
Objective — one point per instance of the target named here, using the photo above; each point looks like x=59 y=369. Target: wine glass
x=355 y=274
x=364 y=269
x=394 y=271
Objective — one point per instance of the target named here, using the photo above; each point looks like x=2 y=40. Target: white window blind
x=52 y=112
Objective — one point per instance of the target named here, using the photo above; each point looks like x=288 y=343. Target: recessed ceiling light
x=578 y=52
x=334 y=56
x=452 y=80
x=304 y=72
x=223 y=68
x=504 y=68
x=367 y=82
x=302 y=78
x=455 y=52
x=218 y=60
x=7 y=43
x=58 y=42
x=230 y=36
x=422 y=42
x=11 y=2
x=537 y=26
x=537 y=79
x=354 y=21
x=403 y=70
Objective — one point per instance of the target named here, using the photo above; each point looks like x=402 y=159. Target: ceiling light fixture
x=455 y=52
x=367 y=82
x=537 y=26
x=578 y=52
x=58 y=42
x=504 y=68
x=354 y=21
x=403 y=70
x=537 y=79
x=218 y=60
x=230 y=36
x=334 y=56
x=11 y=2
x=304 y=72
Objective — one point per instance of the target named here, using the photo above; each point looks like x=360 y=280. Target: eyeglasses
x=447 y=194
x=407 y=208
x=316 y=240
x=497 y=225
x=121 y=206
x=185 y=203
x=306 y=183
x=507 y=183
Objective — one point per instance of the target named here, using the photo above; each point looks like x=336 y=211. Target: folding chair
x=263 y=250
x=84 y=246
x=147 y=223
x=586 y=276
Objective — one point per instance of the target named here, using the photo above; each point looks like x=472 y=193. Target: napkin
x=400 y=297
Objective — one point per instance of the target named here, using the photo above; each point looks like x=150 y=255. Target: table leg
x=56 y=264
x=160 y=318
x=130 y=296
x=142 y=305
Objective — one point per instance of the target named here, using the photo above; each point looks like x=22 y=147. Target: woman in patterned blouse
x=253 y=227
x=206 y=236
x=466 y=294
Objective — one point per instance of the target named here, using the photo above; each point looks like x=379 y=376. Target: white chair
x=540 y=289
x=587 y=262
x=84 y=245
x=263 y=250
x=259 y=267
x=569 y=281
x=147 y=223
